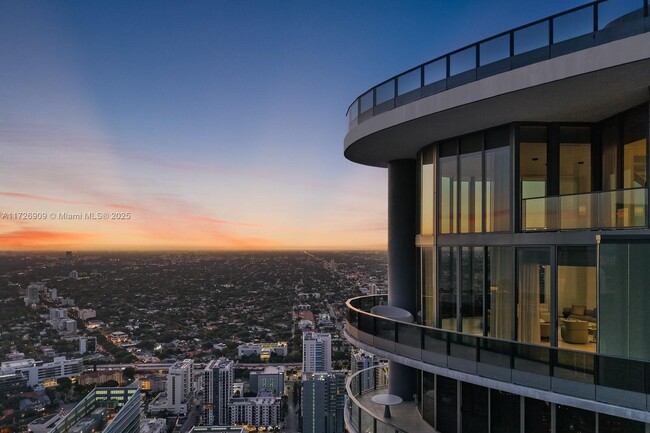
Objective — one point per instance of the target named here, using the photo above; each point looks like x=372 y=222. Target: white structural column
x=402 y=380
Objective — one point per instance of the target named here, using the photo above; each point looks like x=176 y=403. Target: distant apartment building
x=316 y=352
x=364 y=361
x=156 y=425
x=217 y=429
x=280 y=348
x=99 y=377
x=87 y=345
x=11 y=383
x=257 y=412
x=218 y=378
x=73 y=275
x=45 y=374
x=104 y=410
x=323 y=400
x=179 y=391
x=31 y=295
x=270 y=380
x=58 y=313
x=82 y=313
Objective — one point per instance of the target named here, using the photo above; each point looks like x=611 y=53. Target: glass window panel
x=428 y=290
x=446 y=404
x=533 y=296
x=537 y=416
x=474 y=408
x=495 y=49
x=447 y=187
x=505 y=411
x=471 y=184
x=614 y=298
x=571 y=420
x=575 y=159
x=408 y=82
x=573 y=24
x=427 y=192
x=385 y=92
x=500 y=299
x=610 y=142
x=471 y=306
x=497 y=181
x=462 y=61
x=531 y=38
x=614 y=424
x=435 y=71
x=447 y=287
x=367 y=101
x=635 y=133
x=532 y=161
x=639 y=274
x=577 y=298
x=428 y=397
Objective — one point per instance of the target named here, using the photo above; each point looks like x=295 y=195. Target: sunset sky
x=214 y=124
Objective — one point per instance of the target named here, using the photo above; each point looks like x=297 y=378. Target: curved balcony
x=566 y=32
x=363 y=415
x=593 y=381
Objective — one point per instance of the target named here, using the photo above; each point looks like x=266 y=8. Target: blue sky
x=216 y=124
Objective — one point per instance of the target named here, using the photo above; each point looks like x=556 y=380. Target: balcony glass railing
x=588 y=25
x=446 y=348
x=625 y=208
x=359 y=418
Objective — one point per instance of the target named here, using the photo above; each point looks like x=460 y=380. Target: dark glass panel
x=471 y=184
x=505 y=411
x=575 y=160
x=428 y=317
x=571 y=420
x=614 y=424
x=474 y=408
x=428 y=397
x=537 y=416
x=635 y=134
x=446 y=405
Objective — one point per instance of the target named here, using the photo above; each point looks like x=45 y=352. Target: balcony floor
x=405 y=416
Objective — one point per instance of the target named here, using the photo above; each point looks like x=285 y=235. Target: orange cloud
x=37 y=239
x=41 y=198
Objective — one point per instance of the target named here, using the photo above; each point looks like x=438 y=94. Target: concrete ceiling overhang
x=586 y=86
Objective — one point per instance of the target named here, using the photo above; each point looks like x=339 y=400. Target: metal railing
x=624 y=208
x=469 y=353
x=592 y=24
x=357 y=417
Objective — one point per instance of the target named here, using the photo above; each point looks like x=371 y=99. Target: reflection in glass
x=573 y=24
x=471 y=303
x=367 y=101
x=408 y=82
x=614 y=424
x=495 y=49
x=447 y=287
x=635 y=132
x=435 y=71
x=448 y=187
x=610 y=143
x=533 y=295
x=499 y=302
x=462 y=61
x=533 y=173
x=428 y=291
x=427 y=192
x=497 y=180
x=576 y=297
x=471 y=184
x=531 y=37
x=385 y=92
x=624 y=325
x=575 y=160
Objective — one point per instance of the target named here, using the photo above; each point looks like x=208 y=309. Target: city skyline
x=211 y=125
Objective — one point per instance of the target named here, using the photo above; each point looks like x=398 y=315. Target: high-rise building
x=31 y=296
x=179 y=392
x=518 y=230
x=316 y=352
x=87 y=345
x=261 y=411
x=270 y=380
x=363 y=362
x=218 y=377
x=323 y=400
